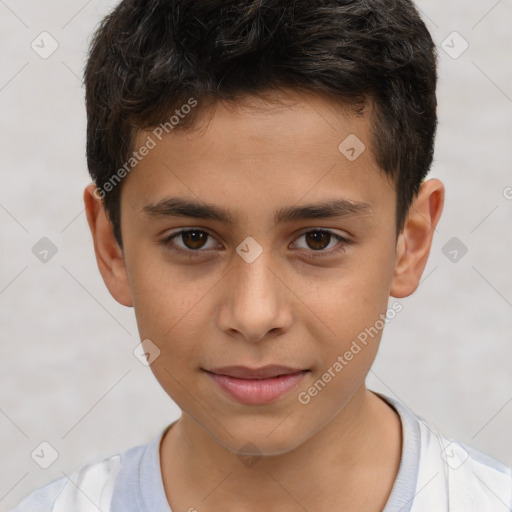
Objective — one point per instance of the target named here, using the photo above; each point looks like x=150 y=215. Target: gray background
x=67 y=372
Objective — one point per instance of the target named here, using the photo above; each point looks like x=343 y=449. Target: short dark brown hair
x=149 y=57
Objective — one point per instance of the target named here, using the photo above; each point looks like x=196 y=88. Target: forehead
x=287 y=148
x=274 y=122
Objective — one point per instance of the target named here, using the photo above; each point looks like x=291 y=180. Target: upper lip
x=264 y=372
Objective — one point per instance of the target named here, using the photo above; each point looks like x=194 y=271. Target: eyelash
x=167 y=242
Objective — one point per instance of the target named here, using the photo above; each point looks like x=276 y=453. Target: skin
x=341 y=451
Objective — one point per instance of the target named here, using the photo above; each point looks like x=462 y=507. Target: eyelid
x=342 y=234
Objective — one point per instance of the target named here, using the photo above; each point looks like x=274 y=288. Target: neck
x=350 y=464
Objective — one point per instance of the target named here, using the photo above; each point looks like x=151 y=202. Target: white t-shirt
x=436 y=474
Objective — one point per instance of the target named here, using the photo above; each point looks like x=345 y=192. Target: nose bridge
x=255 y=281
x=253 y=301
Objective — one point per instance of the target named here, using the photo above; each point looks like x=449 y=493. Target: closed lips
x=264 y=372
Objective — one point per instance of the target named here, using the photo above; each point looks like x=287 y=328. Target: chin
x=265 y=439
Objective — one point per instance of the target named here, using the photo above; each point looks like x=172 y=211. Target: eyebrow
x=182 y=207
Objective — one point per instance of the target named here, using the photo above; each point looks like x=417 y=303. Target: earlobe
x=109 y=256
x=415 y=241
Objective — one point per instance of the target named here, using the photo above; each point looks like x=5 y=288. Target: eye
x=318 y=240
x=193 y=239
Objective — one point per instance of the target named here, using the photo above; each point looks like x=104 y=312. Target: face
x=241 y=281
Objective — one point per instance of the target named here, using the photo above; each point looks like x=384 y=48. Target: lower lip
x=257 y=391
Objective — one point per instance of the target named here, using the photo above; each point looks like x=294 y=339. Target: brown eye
x=318 y=240
x=192 y=242
x=194 y=239
x=321 y=241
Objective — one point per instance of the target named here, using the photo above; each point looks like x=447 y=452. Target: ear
x=413 y=245
x=109 y=255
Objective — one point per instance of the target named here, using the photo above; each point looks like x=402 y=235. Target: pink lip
x=256 y=386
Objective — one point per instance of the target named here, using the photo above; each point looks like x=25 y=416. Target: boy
x=259 y=193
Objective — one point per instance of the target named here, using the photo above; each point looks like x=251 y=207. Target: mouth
x=256 y=386
x=264 y=372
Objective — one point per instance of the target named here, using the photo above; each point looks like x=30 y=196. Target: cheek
x=351 y=298
x=351 y=305
x=163 y=294
x=171 y=308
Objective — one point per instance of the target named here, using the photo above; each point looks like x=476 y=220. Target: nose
x=255 y=302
